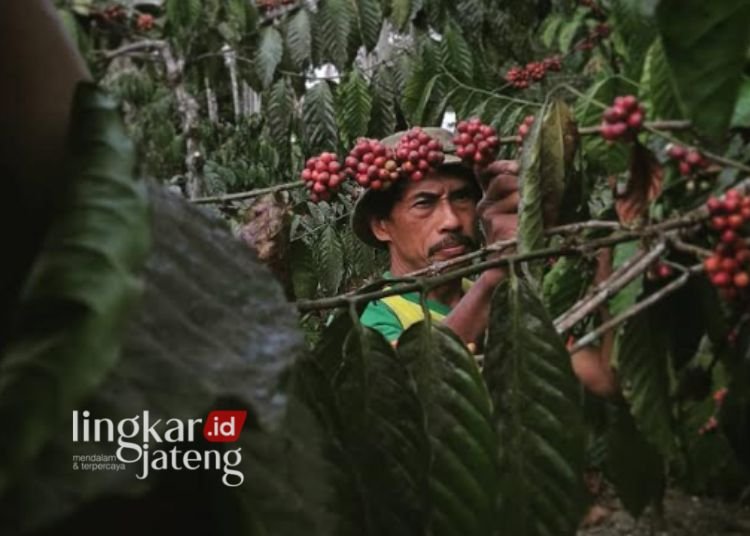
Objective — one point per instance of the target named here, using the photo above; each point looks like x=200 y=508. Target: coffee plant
x=263 y=120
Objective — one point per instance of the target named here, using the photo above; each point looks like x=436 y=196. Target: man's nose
x=449 y=220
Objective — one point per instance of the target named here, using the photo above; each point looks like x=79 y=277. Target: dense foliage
x=641 y=115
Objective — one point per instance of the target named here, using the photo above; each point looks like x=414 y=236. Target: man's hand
x=498 y=208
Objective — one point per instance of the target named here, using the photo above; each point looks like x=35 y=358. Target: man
x=436 y=219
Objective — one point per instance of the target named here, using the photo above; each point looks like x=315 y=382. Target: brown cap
x=363 y=208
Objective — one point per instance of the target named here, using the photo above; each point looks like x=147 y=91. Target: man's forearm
x=469 y=317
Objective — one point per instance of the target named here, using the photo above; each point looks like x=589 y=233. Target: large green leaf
x=355 y=105
x=741 y=115
x=81 y=289
x=559 y=137
x=530 y=215
x=538 y=415
x=383 y=118
x=636 y=30
x=634 y=465
x=280 y=112
x=329 y=260
x=268 y=57
x=546 y=168
x=370 y=21
x=333 y=23
x=383 y=434
x=182 y=15
x=456 y=53
x=565 y=284
x=628 y=295
x=400 y=13
x=463 y=472
x=319 y=117
x=706 y=45
x=299 y=37
x=642 y=363
x=657 y=86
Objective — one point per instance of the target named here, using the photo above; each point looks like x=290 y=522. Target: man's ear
x=380 y=229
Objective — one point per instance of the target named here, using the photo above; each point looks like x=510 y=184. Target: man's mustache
x=452 y=240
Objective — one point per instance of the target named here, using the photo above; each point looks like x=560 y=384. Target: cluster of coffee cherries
x=729 y=266
x=418 y=153
x=623 y=119
x=524 y=128
x=144 y=22
x=371 y=164
x=688 y=160
x=323 y=176
x=476 y=143
x=522 y=77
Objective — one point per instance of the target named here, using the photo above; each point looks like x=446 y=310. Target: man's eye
x=423 y=203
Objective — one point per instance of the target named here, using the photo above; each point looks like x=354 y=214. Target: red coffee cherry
x=476 y=143
x=418 y=153
x=371 y=164
x=623 y=120
x=322 y=175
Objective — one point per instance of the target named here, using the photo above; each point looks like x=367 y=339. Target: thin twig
x=669 y=124
x=642 y=305
x=568 y=249
x=137 y=46
x=502 y=245
x=249 y=194
x=587 y=305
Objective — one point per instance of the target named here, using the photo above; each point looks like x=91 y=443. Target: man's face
x=435 y=220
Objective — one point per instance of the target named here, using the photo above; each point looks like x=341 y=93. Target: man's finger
x=501 y=186
x=498 y=167
x=504 y=205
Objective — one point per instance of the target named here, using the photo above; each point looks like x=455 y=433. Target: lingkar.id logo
x=135 y=437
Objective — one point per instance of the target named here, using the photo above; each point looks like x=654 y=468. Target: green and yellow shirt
x=392 y=315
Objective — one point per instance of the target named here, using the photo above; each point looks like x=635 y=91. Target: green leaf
x=237 y=15
x=705 y=45
x=546 y=165
x=329 y=260
x=571 y=29
x=550 y=28
x=333 y=22
x=741 y=115
x=383 y=118
x=657 y=87
x=182 y=15
x=530 y=215
x=370 y=22
x=268 y=57
x=319 y=117
x=538 y=416
x=355 y=106
x=626 y=297
x=82 y=286
x=400 y=13
x=636 y=30
x=559 y=138
x=463 y=472
x=383 y=432
x=456 y=53
x=565 y=284
x=643 y=369
x=634 y=465
x=304 y=278
x=299 y=37
x=280 y=112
